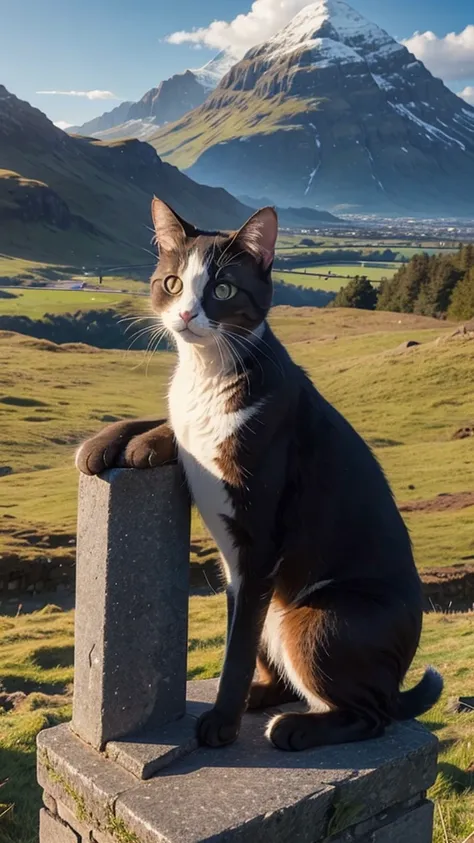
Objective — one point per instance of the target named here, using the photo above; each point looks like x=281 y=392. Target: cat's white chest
x=201 y=425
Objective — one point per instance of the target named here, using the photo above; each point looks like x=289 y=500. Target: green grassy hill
x=407 y=403
x=69 y=199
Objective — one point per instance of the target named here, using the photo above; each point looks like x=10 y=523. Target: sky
x=75 y=59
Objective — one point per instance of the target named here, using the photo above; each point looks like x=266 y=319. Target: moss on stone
x=82 y=814
x=118 y=829
x=345 y=814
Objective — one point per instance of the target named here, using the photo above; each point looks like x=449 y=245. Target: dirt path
x=441 y=503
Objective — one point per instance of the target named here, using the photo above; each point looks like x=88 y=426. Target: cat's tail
x=422 y=697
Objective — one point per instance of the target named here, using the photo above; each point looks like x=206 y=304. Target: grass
x=14 y=267
x=183 y=141
x=36 y=302
x=407 y=405
x=322 y=277
x=36 y=657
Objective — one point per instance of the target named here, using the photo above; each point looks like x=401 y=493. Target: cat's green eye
x=224 y=291
x=173 y=285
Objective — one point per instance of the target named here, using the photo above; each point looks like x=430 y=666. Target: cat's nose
x=186 y=316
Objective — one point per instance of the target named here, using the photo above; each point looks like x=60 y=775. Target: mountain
x=69 y=199
x=168 y=102
x=106 y=121
x=211 y=73
x=332 y=111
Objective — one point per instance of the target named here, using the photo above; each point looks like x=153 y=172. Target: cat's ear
x=170 y=229
x=259 y=234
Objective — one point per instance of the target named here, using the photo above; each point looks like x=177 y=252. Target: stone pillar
x=131 y=603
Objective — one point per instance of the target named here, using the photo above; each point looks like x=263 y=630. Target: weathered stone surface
x=416 y=814
x=82 y=829
x=79 y=776
x=50 y=803
x=132 y=597
x=101 y=837
x=154 y=750
x=416 y=826
x=53 y=830
x=250 y=791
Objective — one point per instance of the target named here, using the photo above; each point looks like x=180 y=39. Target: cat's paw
x=269 y=695
x=97 y=454
x=290 y=732
x=215 y=729
x=149 y=450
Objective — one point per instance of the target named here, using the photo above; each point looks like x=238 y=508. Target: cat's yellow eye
x=173 y=285
x=224 y=291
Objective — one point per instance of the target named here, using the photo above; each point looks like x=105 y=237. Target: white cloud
x=450 y=57
x=61 y=124
x=265 y=18
x=90 y=95
x=468 y=94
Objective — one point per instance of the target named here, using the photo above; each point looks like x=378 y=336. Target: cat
x=322 y=590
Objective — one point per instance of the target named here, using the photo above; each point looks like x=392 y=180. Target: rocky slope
x=332 y=111
x=68 y=199
x=105 y=121
x=168 y=102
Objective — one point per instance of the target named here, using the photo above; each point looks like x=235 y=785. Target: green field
x=322 y=277
x=36 y=302
x=407 y=403
x=288 y=248
x=14 y=267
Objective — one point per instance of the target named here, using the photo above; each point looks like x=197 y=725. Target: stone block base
x=371 y=792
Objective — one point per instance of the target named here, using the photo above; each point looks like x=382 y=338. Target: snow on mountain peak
x=211 y=73
x=324 y=23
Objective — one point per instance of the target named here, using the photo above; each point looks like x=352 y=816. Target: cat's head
x=212 y=282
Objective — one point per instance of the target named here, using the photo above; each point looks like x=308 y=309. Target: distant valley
x=71 y=200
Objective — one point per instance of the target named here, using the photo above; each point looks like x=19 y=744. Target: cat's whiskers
x=223 y=332
x=159 y=335
x=212 y=256
x=151 y=348
x=135 y=337
x=230 y=352
x=220 y=259
x=234 y=354
x=149 y=252
x=231 y=262
x=240 y=358
x=252 y=341
x=253 y=345
x=216 y=340
x=262 y=342
x=134 y=322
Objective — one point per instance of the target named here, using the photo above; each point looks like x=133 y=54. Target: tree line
x=438 y=285
x=335 y=256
